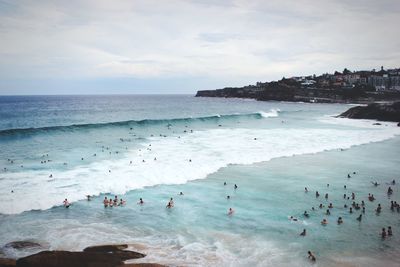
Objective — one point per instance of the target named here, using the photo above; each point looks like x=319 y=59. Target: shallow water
x=271 y=150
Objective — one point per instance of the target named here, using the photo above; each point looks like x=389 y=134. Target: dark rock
x=99 y=256
x=7 y=262
x=22 y=245
x=375 y=111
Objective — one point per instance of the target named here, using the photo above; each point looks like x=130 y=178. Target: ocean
x=156 y=146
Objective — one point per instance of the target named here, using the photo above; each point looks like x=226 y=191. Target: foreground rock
x=99 y=256
x=375 y=111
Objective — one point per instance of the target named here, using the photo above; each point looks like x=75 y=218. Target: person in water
x=66 y=203
x=359 y=218
x=303 y=233
x=324 y=222
x=340 y=220
x=326 y=196
x=311 y=256
x=306 y=214
x=170 y=203
x=328 y=212
x=383 y=234
x=389 y=231
x=379 y=209
x=235 y=186
x=230 y=211
x=180 y=193
x=141 y=202
x=228 y=197
x=316 y=194
x=224 y=183
x=122 y=202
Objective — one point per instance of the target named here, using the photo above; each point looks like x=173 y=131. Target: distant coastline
x=361 y=87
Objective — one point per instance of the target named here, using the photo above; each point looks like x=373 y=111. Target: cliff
x=375 y=111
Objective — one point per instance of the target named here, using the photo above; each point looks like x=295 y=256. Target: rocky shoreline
x=286 y=90
x=97 y=256
x=375 y=111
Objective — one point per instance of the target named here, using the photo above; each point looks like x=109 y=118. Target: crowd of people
x=394 y=206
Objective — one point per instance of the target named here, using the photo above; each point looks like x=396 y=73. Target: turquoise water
x=271 y=150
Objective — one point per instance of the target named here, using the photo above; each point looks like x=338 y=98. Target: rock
x=99 y=256
x=375 y=111
x=7 y=262
x=22 y=245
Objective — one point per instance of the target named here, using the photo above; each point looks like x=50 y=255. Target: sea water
x=154 y=147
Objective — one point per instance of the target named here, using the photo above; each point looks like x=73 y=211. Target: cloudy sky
x=181 y=46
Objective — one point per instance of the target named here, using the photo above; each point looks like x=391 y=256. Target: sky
x=181 y=46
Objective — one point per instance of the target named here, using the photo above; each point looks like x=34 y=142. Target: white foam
x=271 y=114
x=208 y=150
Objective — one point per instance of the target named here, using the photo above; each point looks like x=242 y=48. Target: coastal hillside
x=340 y=87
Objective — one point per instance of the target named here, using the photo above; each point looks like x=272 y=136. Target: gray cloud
x=224 y=41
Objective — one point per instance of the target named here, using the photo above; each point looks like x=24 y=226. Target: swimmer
x=330 y=206
x=340 y=220
x=345 y=187
x=230 y=211
x=348 y=175
x=389 y=231
x=88 y=197
x=383 y=234
x=363 y=209
x=353 y=196
x=122 y=202
x=306 y=214
x=181 y=193
x=324 y=222
x=66 y=203
x=228 y=197
x=351 y=210
x=105 y=202
x=224 y=183
x=327 y=185
x=141 y=202
x=359 y=218
x=293 y=219
x=305 y=189
x=328 y=212
x=378 y=209
x=303 y=233
x=316 y=194
x=390 y=191
x=374 y=183
x=115 y=201
x=344 y=196
x=321 y=206
x=311 y=256
x=235 y=186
